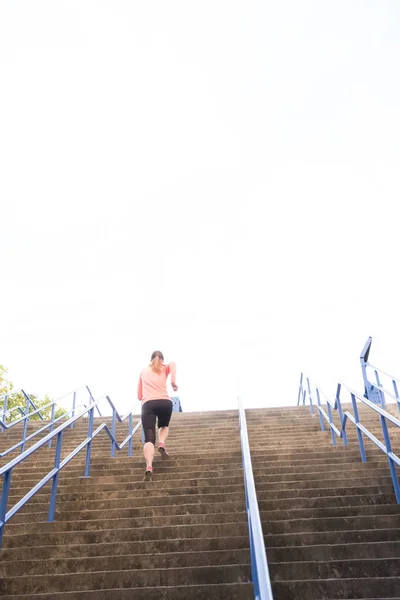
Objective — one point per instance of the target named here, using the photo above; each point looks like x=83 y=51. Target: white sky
x=218 y=180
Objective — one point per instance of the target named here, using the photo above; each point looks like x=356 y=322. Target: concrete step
x=265 y=456
x=282 y=429
x=359 y=481
x=337 y=496
x=261 y=474
x=268 y=517
x=123 y=535
x=151 y=547
x=376 y=493
x=327 y=457
x=337 y=569
x=123 y=508
x=101 y=491
x=258 y=458
x=316 y=524
x=93 y=498
x=329 y=512
x=114 y=510
x=169 y=475
x=321 y=492
x=157 y=498
x=121 y=460
x=124 y=579
x=127 y=523
x=328 y=504
x=342 y=535
x=120 y=562
x=176 y=471
x=337 y=589
x=224 y=591
x=331 y=552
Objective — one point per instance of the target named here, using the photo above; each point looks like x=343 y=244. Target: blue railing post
x=73 y=408
x=396 y=393
x=309 y=396
x=392 y=466
x=53 y=410
x=379 y=385
x=113 y=431
x=25 y=427
x=331 y=423
x=130 y=434
x=340 y=411
x=54 y=484
x=24 y=432
x=89 y=446
x=5 y=410
x=28 y=402
x=93 y=400
x=372 y=392
x=364 y=361
x=300 y=389
x=321 y=420
x=4 y=501
x=359 y=433
x=378 y=382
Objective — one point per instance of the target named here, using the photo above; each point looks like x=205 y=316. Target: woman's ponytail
x=157 y=360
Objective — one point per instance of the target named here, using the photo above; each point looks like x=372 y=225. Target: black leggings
x=162 y=409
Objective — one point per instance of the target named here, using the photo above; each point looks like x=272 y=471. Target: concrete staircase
x=182 y=536
x=331 y=524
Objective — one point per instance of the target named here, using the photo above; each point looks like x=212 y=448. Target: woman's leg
x=164 y=416
x=149 y=426
x=163 y=434
x=148 y=453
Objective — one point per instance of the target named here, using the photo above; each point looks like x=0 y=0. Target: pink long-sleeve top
x=153 y=386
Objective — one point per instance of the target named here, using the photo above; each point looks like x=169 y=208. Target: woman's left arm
x=140 y=389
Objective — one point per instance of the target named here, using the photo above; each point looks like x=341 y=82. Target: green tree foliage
x=5 y=385
x=17 y=398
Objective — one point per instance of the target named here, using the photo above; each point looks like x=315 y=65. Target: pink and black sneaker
x=148 y=474
x=163 y=451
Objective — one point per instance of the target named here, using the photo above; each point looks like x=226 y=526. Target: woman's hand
x=174 y=386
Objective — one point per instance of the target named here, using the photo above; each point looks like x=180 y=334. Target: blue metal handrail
x=377 y=392
x=393 y=459
x=330 y=406
x=387 y=446
x=36 y=411
x=395 y=383
x=259 y=563
x=11 y=410
x=29 y=402
x=28 y=415
x=48 y=425
x=53 y=475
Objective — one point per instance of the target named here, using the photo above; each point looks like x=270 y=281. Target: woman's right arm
x=172 y=369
